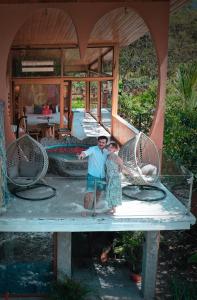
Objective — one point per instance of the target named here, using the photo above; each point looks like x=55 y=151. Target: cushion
x=37 y=109
x=29 y=109
x=149 y=170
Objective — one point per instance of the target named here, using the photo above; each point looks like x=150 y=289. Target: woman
x=114 y=167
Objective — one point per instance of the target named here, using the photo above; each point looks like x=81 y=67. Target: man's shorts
x=93 y=182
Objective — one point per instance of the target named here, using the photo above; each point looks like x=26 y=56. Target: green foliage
x=182 y=289
x=128 y=245
x=134 y=85
x=186 y=83
x=131 y=107
x=138 y=68
x=180 y=135
x=138 y=59
x=68 y=290
x=182 y=38
x=193 y=258
x=78 y=103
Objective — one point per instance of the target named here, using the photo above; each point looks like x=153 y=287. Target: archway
x=122 y=28
x=38 y=55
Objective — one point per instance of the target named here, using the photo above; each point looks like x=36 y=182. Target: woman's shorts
x=93 y=182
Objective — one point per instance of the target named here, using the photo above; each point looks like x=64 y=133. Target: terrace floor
x=84 y=125
x=62 y=213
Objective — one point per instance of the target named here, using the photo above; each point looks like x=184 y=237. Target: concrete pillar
x=63 y=255
x=149 y=264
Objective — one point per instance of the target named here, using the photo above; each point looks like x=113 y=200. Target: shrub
x=78 y=103
x=68 y=290
x=182 y=289
x=140 y=107
x=180 y=133
x=128 y=245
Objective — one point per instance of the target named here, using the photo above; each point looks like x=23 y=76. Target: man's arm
x=82 y=155
x=85 y=153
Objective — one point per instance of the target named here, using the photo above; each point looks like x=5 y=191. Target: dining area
x=79 y=124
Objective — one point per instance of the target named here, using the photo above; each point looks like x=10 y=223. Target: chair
x=27 y=161
x=63 y=132
x=34 y=132
x=141 y=159
x=27 y=164
x=140 y=156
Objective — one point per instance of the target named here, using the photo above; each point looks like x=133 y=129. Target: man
x=97 y=156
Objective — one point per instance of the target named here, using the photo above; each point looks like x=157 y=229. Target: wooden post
x=115 y=83
x=62 y=104
x=149 y=264
x=99 y=91
x=87 y=104
x=99 y=101
x=62 y=63
x=63 y=255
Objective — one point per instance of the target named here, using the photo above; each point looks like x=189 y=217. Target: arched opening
x=40 y=53
x=132 y=62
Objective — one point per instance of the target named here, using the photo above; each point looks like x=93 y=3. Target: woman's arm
x=118 y=161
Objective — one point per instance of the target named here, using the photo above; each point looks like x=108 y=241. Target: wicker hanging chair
x=27 y=164
x=27 y=161
x=141 y=158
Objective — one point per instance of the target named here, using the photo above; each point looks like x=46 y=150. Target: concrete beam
x=63 y=255
x=149 y=264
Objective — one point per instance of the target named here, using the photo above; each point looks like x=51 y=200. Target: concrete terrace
x=62 y=213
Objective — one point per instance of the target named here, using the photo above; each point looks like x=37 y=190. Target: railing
x=180 y=186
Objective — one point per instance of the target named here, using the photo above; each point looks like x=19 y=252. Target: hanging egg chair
x=141 y=159
x=27 y=164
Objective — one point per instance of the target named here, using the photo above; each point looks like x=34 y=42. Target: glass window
x=78 y=94
x=106 y=103
x=94 y=98
x=73 y=65
x=36 y=63
x=107 y=63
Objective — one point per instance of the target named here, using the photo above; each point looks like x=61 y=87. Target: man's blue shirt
x=96 y=161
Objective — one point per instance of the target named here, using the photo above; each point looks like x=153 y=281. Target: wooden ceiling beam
x=60 y=46
x=56 y=80
x=44 y=46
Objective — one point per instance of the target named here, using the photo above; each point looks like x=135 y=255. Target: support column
x=115 y=84
x=149 y=264
x=63 y=255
